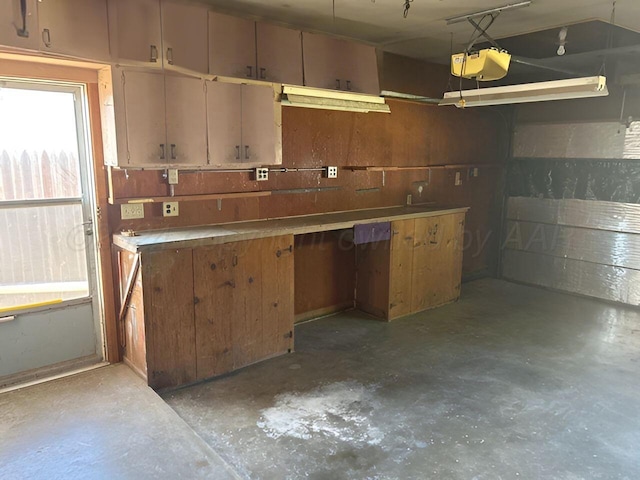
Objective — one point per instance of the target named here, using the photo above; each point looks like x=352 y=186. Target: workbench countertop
x=190 y=237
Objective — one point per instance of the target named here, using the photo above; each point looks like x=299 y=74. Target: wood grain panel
x=277 y=295
x=324 y=273
x=169 y=317
x=372 y=285
x=400 y=276
x=214 y=277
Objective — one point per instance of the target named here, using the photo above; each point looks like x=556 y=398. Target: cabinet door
x=215 y=278
x=167 y=278
x=279 y=54
x=77 y=28
x=437 y=261
x=135 y=32
x=224 y=116
x=186 y=120
x=322 y=64
x=360 y=68
x=400 y=274
x=232 y=46
x=259 y=125
x=184 y=36
x=277 y=295
x=17 y=30
x=339 y=64
x=144 y=104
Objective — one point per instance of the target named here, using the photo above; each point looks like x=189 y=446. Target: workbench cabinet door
x=186 y=119
x=17 y=30
x=437 y=261
x=168 y=282
x=401 y=268
x=243 y=303
x=279 y=54
x=232 y=46
x=77 y=28
x=135 y=32
x=185 y=42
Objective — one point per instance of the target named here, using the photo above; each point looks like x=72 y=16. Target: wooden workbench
x=200 y=302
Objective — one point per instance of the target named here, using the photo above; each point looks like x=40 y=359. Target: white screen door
x=49 y=302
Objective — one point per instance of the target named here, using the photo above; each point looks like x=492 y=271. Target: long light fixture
x=529 y=92
x=510 y=6
x=318 y=98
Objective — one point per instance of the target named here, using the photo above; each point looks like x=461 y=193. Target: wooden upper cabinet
x=144 y=117
x=186 y=118
x=135 y=32
x=259 y=132
x=242 y=48
x=185 y=36
x=243 y=124
x=279 y=54
x=232 y=46
x=18 y=30
x=77 y=28
x=337 y=64
x=224 y=123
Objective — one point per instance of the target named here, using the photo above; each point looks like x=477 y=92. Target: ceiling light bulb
x=561 y=50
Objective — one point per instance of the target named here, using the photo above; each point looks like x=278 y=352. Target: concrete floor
x=104 y=424
x=510 y=382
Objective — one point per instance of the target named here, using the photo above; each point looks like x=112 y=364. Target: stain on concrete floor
x=510 y=382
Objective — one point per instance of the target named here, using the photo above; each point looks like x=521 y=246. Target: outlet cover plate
x=332 y=172
x=172 y=176
x=131 y=211
x=170 y=209
x=262 y=174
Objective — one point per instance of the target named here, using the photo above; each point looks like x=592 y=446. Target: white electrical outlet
x=172 y=176
x=475 y=172
x=332 y=172
x=458 y=179
x=170 y=209
x=262 y=174
x=130 y=211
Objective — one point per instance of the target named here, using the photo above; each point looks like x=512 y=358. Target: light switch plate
x=332 y=172
x=262 y=174
x=172 y=176
x=131 y=211
x=458 y=179
x=170 y=209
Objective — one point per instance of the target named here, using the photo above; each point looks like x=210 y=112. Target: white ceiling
x=424 y=33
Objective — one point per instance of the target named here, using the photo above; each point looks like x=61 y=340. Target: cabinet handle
x=263 y=73
x=23 y=32
x=173 y=151
x=349 y=85
x=162 y=151
x=170 y=56
x=246 y=152
x=46 y=37
x=237 y=152
x=337 y=84
x=249 y=71
x=154 y=54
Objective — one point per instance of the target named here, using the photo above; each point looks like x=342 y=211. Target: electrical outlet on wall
x=458 y=179
x=262 y=174
x=332 y=172
x=170 y=209
x=130 y=211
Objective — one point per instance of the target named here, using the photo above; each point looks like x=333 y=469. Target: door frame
x=87 y=200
